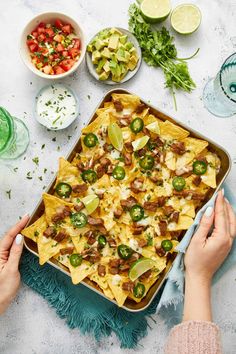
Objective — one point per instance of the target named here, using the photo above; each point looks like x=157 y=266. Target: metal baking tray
x=129 y=304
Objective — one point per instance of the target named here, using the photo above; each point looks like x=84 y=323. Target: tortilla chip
x=81 y=272
x=194 y=147
x=183 y=224
x=33 y=231
x=67 y=172
x=170 y=160
x=127 y=100
x=103 y=120
x=172 y=131
x=209 y=178
x=116 y=288
x=52 y=203
x=47 y=248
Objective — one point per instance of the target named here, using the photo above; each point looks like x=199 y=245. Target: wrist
x=198 y=279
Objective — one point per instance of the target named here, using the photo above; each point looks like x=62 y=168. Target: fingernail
x=19 y=239
x=24 y=216
x=223 y=191
x=208 y=211
x=227 y=201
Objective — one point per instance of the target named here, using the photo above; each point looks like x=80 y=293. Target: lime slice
x=155 y=10
x=186 y=18
x=140 y=143
x=115 y=136
x=141 y=266
x=90 y=202
x=153 y=127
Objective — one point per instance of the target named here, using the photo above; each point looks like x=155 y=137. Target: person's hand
x=205 y=254
x=11 y=246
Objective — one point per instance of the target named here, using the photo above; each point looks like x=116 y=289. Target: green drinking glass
x=14 y=136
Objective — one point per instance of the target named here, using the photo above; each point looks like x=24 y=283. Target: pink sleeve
x=194 y=337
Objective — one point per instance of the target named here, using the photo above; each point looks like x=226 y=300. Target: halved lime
x=155 y=10
x=115 y=136
x=90 y=202
x=186 y=18
x=153 y=127
x=140 y=143
x=141 y=266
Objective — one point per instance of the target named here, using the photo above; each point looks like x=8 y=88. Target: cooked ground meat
x=128 y=286
x=50 y=232
x=61 y=236
x=178 y=148
x=80 y=188
x=101 y=270
x=68 y=250
x=163 y=227
x=118 y=105
x=197 y=180
x=160 y=252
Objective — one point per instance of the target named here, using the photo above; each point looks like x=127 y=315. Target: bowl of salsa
x=52 y=45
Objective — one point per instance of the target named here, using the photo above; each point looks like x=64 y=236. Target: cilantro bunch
x=159 y=50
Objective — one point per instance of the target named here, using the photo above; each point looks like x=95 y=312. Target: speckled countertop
x=30 y=326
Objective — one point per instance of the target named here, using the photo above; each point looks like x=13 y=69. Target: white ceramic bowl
x=49 y=17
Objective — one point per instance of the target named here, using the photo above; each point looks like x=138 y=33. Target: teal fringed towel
x=81 y=307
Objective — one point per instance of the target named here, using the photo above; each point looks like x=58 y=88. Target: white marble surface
x=30 y=326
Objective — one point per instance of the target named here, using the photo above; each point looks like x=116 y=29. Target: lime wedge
x=186 y=18
x=140 y=143
x=90 y=202
x=141 y=266
x=153 y=127
x=155 y=10
x=115 y=136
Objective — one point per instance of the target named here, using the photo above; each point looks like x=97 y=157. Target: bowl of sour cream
x=56 y=106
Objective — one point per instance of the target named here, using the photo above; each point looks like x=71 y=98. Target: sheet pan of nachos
x=124 y=198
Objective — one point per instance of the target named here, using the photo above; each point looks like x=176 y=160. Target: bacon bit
x=129 y=147
x=68 y=250
x=79 y=206
x=128 y=158
x=112 y=242
x=168 y=210
x=118 y=105
x=161 y=201
x=136 y=185
x=101 y=270
x=137 y=229
x=151 y=206
x=197 y=181
x=117 y=213
x=160 y=252
x=49 y=232
x=174 y=216
x=128 y=203
x=61 y=236
x=145 y=275
x=178 y=148
x=140 y=108
x=128 y=286
x=163 y=227
x=95 y=221
x=142 y=242
x=80 y=188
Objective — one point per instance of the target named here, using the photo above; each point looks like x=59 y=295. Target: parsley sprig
x=159 y=50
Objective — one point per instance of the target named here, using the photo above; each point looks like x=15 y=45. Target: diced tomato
x=44 y=52
x=59 y=47
x=74 y=52
x=49 y=32
x=41 y=37
x=30 y=42
x=58 y=23
x=47 y=69
x=41 y=30
x=48 y=39
x=67 y=64
x=76 y=43
x=58 y=70
x=55 y=56
x=33 y=47
x=35 y=34
x=67 y=29
x=65 y=53
x=41 y=24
